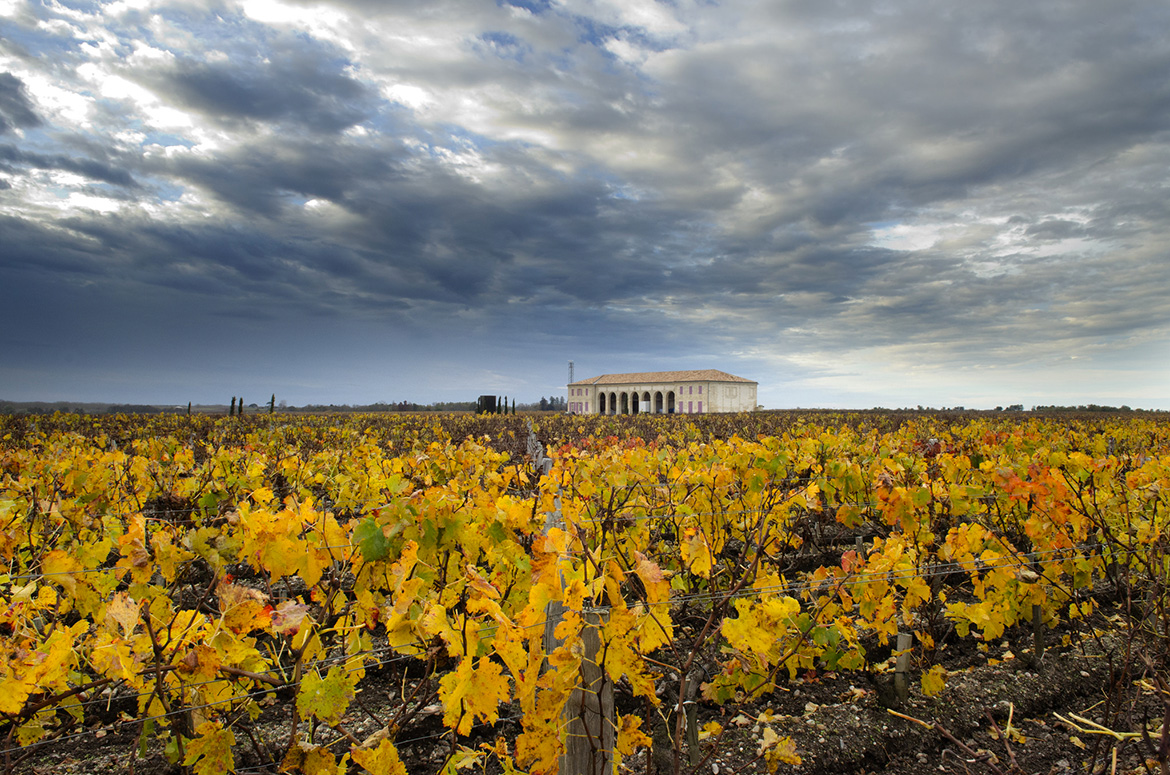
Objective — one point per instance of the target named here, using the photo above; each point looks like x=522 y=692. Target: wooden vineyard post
x=694 y=679
x=902 y=667
x=1037 y=619
x=588 y=716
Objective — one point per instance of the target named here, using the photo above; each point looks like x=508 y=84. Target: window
x=690 y=407
x=700 y=403
x=700 y=391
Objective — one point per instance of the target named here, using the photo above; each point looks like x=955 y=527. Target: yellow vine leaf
x=59 y=567
x=621 y=659
x=934 y=680
x=630 y=736
x=312 y=760
x=382 y=760
x=777 y=750
x=210 y=752
x=326 y=698
x=653 y=579
x=45 y=669
x=696 y=553
x=472 y=691
x=746 y=633
x=477 y=582
x=243 y=609
x=462 y=759
x=168 y=556
x=135 y=557
x=288 y=617
x=202 y=660
x=282 y=556
x=123 y=612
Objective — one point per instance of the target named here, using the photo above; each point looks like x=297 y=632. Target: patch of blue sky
x=167 y=191
x=628 y=193
x=37 y=42
x=595 y=33
x=225 y=32
x=391 y=119
x=294 y=198
x=505 y=45
x=167 y=139
x=459 y=136
x=533 y=6
x=85 y=6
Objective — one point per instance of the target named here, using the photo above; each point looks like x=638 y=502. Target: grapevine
x=202 y=572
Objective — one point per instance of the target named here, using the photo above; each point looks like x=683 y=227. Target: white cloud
x=79 y=201
x=903 y=236
x=59 y=105
x=413 y=97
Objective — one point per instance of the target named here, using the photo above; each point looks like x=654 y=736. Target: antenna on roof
x=570 y=372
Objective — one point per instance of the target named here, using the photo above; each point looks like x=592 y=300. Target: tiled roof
x=694 y=375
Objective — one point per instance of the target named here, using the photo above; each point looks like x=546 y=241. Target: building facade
x=703 y=391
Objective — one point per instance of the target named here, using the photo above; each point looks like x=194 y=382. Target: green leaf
x=144 y=738
x=209 y=502
x=497 y=532
x=368 y=537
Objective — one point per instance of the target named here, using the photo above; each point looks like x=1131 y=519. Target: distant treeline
x=1082 y=408
x=382 y=406
x=73 y=407
x=550 y=404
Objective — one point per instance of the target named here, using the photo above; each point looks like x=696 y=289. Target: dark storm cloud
x=802 y=183
x=16 y=110
x=258 y=177
x=296 y=85
x=1057 y=229
x=12 y=157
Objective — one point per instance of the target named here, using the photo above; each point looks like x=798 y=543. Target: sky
x=855 y=203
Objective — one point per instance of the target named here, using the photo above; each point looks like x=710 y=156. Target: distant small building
x=703 y=391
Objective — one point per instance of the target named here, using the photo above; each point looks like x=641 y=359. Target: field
x=810 y=592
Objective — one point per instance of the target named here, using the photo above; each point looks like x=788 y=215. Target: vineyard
x=412 y=594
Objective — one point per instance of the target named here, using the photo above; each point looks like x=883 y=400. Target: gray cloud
x=293 y=84
x=804 y=192
x=16 y=110
x=12 y=157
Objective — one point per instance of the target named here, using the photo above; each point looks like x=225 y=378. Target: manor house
x=703 y=391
